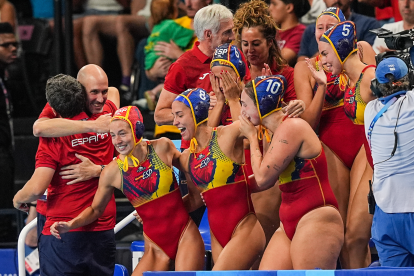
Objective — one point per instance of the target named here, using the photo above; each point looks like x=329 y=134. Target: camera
x=402 y=47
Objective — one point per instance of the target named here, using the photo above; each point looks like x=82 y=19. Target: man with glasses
x=8 y=54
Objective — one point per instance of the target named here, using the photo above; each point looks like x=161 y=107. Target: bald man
x=86 y=138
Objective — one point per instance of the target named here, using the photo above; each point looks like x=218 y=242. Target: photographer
x=390 y=131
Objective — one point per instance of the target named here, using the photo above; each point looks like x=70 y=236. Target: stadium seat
x=120 y=270
x=137 y=250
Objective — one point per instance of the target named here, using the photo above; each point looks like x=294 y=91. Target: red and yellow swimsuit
x=305 y=187
x=354 y=107
x=335 y=130
x=153 y=191
x=224 y=187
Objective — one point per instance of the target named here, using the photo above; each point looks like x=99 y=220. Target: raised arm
x=304 y=91
x=283 y=148
x=232 y=92
x=214 y=114
x=110 y=179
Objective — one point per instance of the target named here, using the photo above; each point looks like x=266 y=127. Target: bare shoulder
x=162 y=144
x=110 y=175
x=295 y=126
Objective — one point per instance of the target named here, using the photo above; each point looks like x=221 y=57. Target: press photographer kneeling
x=390 y=131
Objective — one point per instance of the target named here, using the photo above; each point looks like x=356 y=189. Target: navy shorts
x=393 y=235
x=78 y=253
x=41 y=220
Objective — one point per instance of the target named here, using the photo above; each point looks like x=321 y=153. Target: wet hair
x=65 y=95
x=210 y=18
x=162 y=9
x=300 y=7
x=256 y=14
x=395 y=86
x=250 y=92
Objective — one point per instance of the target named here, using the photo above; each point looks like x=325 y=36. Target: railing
x=21 y=252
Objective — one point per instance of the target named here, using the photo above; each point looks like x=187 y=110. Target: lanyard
x=382 y=111
x=9 y=109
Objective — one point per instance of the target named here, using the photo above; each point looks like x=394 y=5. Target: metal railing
x=21 y=252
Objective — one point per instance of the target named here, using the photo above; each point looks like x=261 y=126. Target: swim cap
x=268 y=91
x=334 y=12
x=133 y=117
x=198 y=100
x=230 y=56
x=342 y=38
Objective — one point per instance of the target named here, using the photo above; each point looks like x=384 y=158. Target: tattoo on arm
x=286 y=159
x=276 y=167
x=283 y=141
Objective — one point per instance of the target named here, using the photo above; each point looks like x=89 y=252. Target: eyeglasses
x=8 y=44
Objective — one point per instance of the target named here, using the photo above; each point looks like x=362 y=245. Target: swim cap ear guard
x=133 y=117
x=342 y=38
x=230 y=56
x=268 y=91
x=198 y=101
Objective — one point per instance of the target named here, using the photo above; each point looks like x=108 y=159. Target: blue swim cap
x=342 y=38
x=229 y=55
x=269 y=91
x=334 y=12
x=198 y=101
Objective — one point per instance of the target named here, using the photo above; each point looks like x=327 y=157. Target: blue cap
x=198 y=101
x=342 y=38
x=269 y=91
x=334 y=12
x=393 y=66
x=229 y=55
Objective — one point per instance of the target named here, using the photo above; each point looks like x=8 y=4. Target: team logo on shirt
x=140 y=169
x=205 y=162
x=147 y=174
x=90 y=139
x=204 y=76
x=201 y=156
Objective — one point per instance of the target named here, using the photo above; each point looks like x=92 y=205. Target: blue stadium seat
x=120 y=270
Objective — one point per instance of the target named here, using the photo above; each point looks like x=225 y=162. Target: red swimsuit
x=153 y=190
x=335 y=130
x=224 y=188
x=305 y=187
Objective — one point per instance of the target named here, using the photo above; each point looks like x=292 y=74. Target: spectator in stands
x=309 y=46
x=406 y=8
x=213 y=26
x=8 y=54
x=286 y=14
x=168 y=51
x=127 y=29
x=392 y=228
x=385 y=6
x=317 y=6
x=55 y=155
x=165 y=32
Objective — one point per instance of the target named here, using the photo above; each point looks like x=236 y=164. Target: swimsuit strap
x=368 y=66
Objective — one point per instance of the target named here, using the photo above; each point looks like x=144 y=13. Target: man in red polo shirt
x=66 y=201
x=213 y=26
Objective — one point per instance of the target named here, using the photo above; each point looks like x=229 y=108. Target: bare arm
x=136 y=5
x=366 y=53
x=109 y=179
x=304 y=92
x=35 y=187
x=163 y=114
x=232 y=92
x=267 y=169
x=214 y=114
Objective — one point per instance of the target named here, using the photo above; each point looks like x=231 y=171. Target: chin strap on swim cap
x=134 y=160
x=133 y=117
x=342 y=38
x=263 y=132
